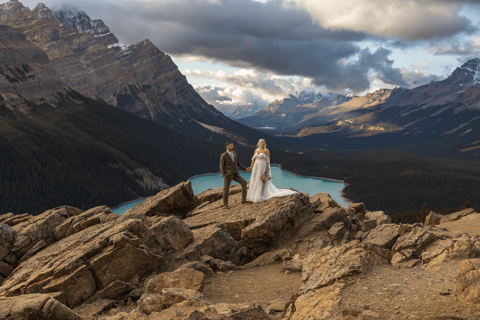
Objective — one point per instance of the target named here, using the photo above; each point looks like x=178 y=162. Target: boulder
x=88 y=260
x=433 y=218
x=255 y=225
x=384 y=235
x=6 y=216
x=324 y=267
x=435 y=249
x=379 y=216
x=113 y=291
x=16 y=219
x=172 y=233
x=84 y=220
x=358 y=209
x=135 y=294
x=337 y=230
x=41 y=227
x=173 y=296
x=317 y=304
x=322 y=201
x=199 y=266
x=468 y=281
x=93 y=310
x=417 y=238
x=456 y=215
x=76 y=287
x=463 y=248
x=293 y=265
x=328 y=218
x=216 y=242
x=221 y=265
x=185 y=278
x=177 y=201
x=150 y=302
x=34 y=306
x=195 y=309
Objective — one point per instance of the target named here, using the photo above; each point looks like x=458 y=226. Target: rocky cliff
x=183 y=256
x=26 y=74
x=139 y=78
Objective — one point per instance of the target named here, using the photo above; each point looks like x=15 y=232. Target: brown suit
x=229 y=170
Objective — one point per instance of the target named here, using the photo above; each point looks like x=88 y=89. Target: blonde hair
x=258 y=144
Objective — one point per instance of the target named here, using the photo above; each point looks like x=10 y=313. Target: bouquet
x=266 y=177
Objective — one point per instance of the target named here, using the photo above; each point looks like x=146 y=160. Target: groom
x=228 y=167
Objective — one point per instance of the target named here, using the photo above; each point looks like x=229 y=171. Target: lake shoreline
x=121 y=205
x=342 y=195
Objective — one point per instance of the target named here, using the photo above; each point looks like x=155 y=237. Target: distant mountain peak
x=473 y=67
x=81 y=22
x=40 y=6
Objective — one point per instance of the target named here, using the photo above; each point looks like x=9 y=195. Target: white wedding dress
x=259 y=190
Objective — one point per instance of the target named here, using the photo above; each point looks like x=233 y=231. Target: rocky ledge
x=183 y=256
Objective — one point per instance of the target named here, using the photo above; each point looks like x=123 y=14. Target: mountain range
x=88 y=58
x=58 y=146
x=437 y=119
x=287 y=112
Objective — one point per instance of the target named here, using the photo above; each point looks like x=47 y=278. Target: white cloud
x=469 y=48
x=409 y=20
x=244 y=86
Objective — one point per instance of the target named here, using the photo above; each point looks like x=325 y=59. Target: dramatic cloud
x=408 y=20
x=305 y=38
x=228 y=98
x=247 y=86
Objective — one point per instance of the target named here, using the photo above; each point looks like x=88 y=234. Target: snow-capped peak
x=473 y=67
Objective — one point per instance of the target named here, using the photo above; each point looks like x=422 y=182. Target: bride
x=258 y=189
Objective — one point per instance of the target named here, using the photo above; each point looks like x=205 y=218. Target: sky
x=242 y=52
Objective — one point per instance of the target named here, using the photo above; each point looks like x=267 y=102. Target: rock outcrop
x=468 y=281
x=152 y=264
x=34 y=306
x=255 y=226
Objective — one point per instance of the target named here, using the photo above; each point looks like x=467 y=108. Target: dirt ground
x=391 y=293
x=469 y=224
x=400 y=293
x=268 y=286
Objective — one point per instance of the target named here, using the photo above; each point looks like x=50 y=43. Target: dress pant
x=226 y=187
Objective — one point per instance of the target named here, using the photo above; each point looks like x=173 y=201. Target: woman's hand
x=249 y=169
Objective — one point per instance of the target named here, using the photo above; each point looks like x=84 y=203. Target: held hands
x=249 y=169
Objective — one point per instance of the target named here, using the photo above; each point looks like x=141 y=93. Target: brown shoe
x=243 y=201
x=226 y=207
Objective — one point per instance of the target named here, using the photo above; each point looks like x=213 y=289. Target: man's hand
x=248 y=169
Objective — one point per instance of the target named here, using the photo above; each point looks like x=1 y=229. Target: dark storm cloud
x=264 y=36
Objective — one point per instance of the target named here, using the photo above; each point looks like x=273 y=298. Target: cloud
x=417 y=78
x=467 y=49
x=247 y=86
x=407 y=20
x=298 y=38
x=229 y=98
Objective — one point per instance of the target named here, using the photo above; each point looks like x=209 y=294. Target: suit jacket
x=228 y=167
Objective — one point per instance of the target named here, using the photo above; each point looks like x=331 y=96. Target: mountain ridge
x=139 y=78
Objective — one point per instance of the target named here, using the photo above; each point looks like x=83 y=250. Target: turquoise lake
x=281 y=179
